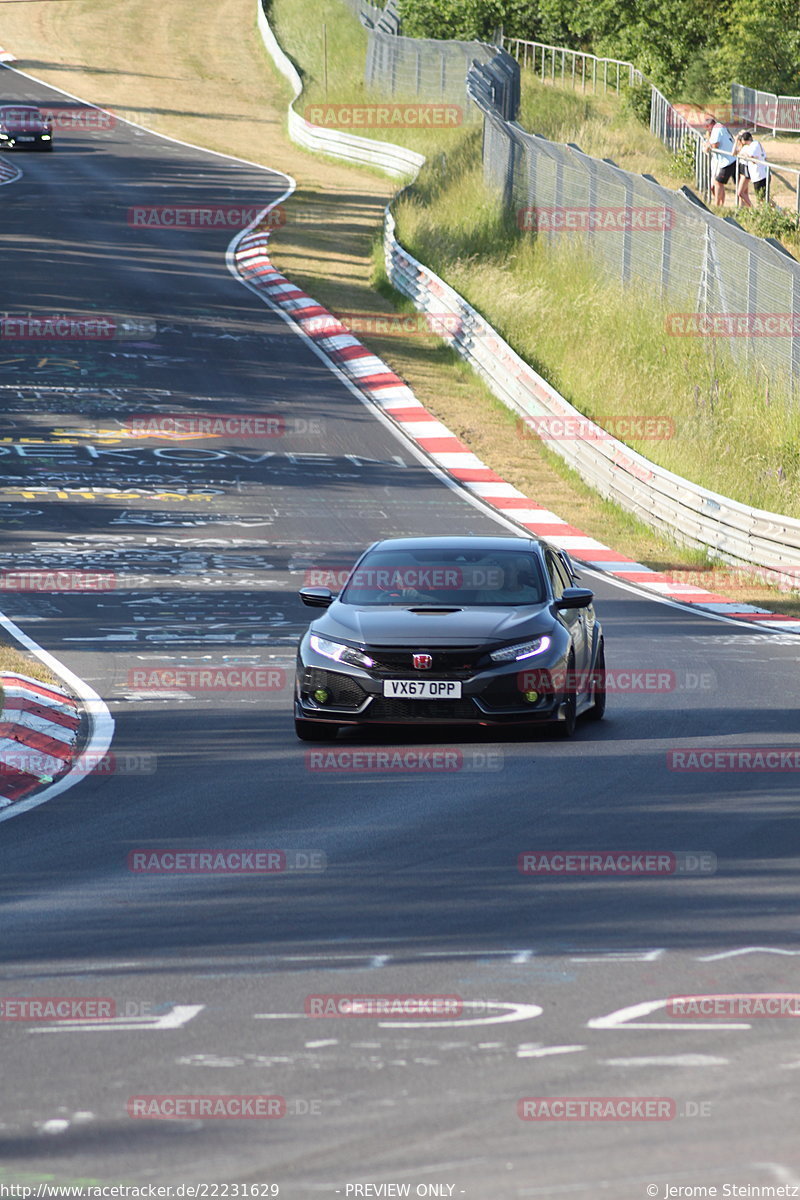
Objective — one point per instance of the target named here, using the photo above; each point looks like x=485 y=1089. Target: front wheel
x=598 y=709
x=315 y=731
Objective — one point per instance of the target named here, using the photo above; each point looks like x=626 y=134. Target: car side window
x=557 y=574
x=568 y=569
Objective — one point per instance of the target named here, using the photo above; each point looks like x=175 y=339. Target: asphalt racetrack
x=399 y=881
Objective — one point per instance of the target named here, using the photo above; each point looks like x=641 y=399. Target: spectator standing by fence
x=752 y=157
x=719 y=144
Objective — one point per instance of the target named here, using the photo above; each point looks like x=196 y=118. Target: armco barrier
x=394 y=160
x=684 y=511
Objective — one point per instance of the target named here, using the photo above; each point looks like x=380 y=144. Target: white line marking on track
x=533 y=1051
x=618 y=956
x=745 y=950
x=625 y=1018
x=669 y=1060
x=180 y=1015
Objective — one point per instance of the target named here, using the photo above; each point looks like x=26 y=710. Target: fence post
x=794 y=360
x=752 y=297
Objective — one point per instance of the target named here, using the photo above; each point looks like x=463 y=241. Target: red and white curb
x=375 y=380
x=7 y=56
x=38 y=735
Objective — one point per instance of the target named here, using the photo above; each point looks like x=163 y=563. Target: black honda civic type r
x=451 y=631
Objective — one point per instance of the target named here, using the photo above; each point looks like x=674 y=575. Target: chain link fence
x=719 y=278
x=741 y=291
x=424 y=67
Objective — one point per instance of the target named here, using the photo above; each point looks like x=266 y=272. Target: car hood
x=406 y=627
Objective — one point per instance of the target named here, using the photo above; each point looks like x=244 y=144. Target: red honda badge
x=422 y=662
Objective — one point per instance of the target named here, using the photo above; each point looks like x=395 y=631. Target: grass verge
x=22 y=663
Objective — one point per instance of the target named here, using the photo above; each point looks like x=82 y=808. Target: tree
x=468 y=19
x=760 y=46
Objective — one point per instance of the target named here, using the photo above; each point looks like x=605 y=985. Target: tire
x=315 y=731
x=598 y=709
x=566 y=728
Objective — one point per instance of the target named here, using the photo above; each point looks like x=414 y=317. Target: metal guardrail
x=542 y=58
x=696 y=516
x=396 y=161
x=765 y=110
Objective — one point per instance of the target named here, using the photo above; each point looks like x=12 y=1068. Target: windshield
x=22 y=118
x=446 y=578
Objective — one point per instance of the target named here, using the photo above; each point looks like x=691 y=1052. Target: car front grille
x=382 y=709
x=448 y=662
x=345 y=691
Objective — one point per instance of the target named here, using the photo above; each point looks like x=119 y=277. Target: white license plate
x=26 y=139
x=422 y=689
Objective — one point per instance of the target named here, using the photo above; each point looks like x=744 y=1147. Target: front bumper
x=27 y=142
x=488 y=698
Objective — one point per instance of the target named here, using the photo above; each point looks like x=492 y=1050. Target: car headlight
x=521 y=650
x=46 y=137
x=339 y=652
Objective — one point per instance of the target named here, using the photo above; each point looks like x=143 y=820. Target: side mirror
x=317 y=597
x=574 y=598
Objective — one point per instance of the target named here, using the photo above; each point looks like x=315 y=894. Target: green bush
x=636 y=100
x=766 y=220
x=682 y=164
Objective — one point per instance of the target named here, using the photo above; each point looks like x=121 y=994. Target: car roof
x=459 y=543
